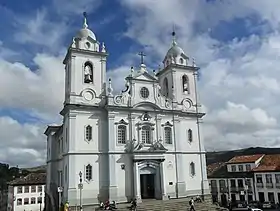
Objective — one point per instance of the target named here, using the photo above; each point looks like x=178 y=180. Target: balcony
x=259 y=185
x=269 y=185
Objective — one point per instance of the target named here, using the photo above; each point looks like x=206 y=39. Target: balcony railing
x=269 y=185
x=259 y=185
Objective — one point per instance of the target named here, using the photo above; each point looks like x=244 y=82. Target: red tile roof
x=245 y=158
x=214 y=167
x=30 y=179
x=269 y=163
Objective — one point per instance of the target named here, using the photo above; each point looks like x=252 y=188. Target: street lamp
x=80 y=186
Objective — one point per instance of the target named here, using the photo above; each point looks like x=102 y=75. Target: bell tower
x=177 y=76
x=85 y=68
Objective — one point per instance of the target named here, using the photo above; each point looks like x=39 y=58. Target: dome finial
x=174 y=36
x=85 y=20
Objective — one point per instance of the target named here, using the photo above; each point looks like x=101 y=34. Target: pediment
x=144 y=76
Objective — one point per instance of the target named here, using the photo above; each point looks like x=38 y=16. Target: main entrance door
x=147 y=182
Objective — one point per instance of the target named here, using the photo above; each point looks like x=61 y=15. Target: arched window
x=192 y=168
x=146 y=134
x=185 y=84
x=190 y=136
x=165 y=87
x=168 y=135
x=88 y=72
x=181 y=61
x=121 y=134
x=88 y=172
x=88 y=133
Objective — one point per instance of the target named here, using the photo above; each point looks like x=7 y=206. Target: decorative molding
x=121 y=122
x=167 y=124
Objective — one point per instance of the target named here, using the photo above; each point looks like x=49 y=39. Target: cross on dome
x=85 y=20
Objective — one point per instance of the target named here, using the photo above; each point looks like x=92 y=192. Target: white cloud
x=239 y=83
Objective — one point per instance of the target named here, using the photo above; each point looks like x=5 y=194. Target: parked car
x=255 y=204
x=268 y=205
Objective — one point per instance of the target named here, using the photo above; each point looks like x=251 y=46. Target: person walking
x=192 y=205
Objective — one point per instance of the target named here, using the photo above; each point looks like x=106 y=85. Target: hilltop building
x=142 y=143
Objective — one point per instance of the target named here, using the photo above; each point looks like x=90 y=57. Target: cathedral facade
x=144 y=142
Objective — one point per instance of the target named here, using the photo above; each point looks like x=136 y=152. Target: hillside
x=223 y=156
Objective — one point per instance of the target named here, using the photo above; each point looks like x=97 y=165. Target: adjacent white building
x=145 y=142
x=246 y=178
x=267 y=179
x=27 y=193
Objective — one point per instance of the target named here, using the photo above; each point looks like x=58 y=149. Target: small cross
x=141 y=54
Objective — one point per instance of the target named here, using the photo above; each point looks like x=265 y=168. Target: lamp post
x=80 y=186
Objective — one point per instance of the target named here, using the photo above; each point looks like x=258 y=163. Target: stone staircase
x=171 y=205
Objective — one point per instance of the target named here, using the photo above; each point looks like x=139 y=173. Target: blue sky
x=236 y=44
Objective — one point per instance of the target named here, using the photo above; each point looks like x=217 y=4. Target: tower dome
x=85 y=32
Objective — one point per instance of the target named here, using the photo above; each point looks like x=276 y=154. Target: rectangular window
x=213 y=183
x=233 y=168
x=26 y=189
x=259 y=178
x=268 y=178
x=33 y=200
x=121 y=134
x=240 y=183
x=190 y=135
x=89 y=172
x=39 y=200
x=19 y=201
x=146 y=135
x=40 y=189
x=240 y=167
x=19 y=189
x=33 y=189
x=88 y=133
x=168 y=135
x=277 y=178
x=232 y=183
x=248 y=167
x=26 y=201
x=222 y=183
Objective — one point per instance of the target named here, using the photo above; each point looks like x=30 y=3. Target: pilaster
x=72 y=72
x=181 y=184
x=163 y=182
x=137 y=190
x=113 y=187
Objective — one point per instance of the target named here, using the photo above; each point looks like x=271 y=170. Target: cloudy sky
x=235 y=42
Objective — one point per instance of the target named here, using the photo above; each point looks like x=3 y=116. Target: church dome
x=175 y=51
x=85 y=32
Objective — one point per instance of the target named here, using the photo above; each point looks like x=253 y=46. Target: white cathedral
x=144 y=142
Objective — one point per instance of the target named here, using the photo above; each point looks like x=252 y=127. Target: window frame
x=26 y=201
x=185 y=79
x=268 y=179
x=19 y=200
x=150 y=133
x=192 y=169
x=170 y=141
x=26 y=188
x=121 y=128
x=87 y=174
x=88 y=133
x=248 y=167
x=33 y=189
x=190 y=135
x=19 y=189
x=240 y=168
x=39 y=188
x=260 y=178
x=92 y=72
x=233 y=168
x=33 y=199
